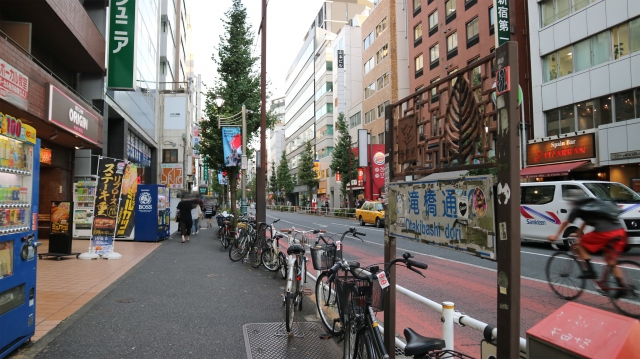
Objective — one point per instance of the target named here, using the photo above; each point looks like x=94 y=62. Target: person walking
x=208 y=213
x=196 y=213
x=186 y=222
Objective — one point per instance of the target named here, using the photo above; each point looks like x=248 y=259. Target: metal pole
x=389 y=241
x=507 y=201
x=243 y=180
x=447 y=324
x=261 y=178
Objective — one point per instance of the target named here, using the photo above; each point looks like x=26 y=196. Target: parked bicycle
x=224 y=231
x=270 y=257
x=245 y=238
x=565 y=268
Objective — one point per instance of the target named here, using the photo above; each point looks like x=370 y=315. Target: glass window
x=452 y=42
x=548 y=12
x=416 y=4
x=612 y=192
x=624 y=105
x=434 y=53
x=562 y=8
x=368 y=40
x=169 y=156
x=472 y=29
x=634 y=30
x=491 y=17
x=434 y=91
x=355 y=120
x=620 y=36
x=381 y=27
x=550 y=67
x=585 y=115
x=382 y=53
x=382 y=81
x=582 y=55
x=417 y=32
x=369 y=90
x=450 y=7
x=369 y=117
x=433 y=19
x=602 y=110
x=571 y=187
x=368 y=66
x=579 y=4
x=600 y=48
x=567 y=119
x=381 y=108
x=565 y=65
x=418 y=63
x=537 y=194
x=553 y=125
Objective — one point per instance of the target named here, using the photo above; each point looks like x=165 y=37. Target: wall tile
x=620 y=75
x=549 y=97
x=561 y=36
x=564 y=91
x=599 y=81
x=596 y=21
x=546 y=41
x=616 y=11
x=578 y=25
x=581 y=87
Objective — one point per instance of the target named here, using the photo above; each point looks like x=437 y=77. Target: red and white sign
x=337 y=176
x=360 y=176
x=382 y=280
x=14 y=86
x=45 y=156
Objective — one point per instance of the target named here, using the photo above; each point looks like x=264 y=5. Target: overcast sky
x=287 y=23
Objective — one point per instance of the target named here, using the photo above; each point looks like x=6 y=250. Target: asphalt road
x=468 y=281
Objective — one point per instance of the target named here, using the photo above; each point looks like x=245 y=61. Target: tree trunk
x=233 y=184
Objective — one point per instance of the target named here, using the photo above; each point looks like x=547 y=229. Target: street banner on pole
x=232 y=146
x=121 y=67
x=363 y=149
x=111 y=172
x=126 y=215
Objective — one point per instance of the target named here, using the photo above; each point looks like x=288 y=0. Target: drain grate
x=263 y=342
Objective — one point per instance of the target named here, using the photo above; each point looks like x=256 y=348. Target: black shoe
x=589 y=274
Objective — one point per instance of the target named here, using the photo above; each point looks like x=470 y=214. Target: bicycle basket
x=323 y=256
x=356 y=292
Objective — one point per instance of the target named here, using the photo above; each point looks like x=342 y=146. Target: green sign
x=121 y=74
x=205 y=175
x=503 y=27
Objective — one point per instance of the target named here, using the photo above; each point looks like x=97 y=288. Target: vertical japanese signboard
x=456 y=214
x=111 y=173
x=14 y=86
x=126 y=215
x=121 y=73
x=205 y=174
x=502 y=25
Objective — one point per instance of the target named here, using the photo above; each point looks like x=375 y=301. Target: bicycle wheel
x=225 y=240
x=283 y=265
x=364 y=345
x=290 y=306
x=562 y=273
x=270 y=260
x=238 y=249
x=303 y=279
x=349 y=340
x=627 y=301
x=327 y=304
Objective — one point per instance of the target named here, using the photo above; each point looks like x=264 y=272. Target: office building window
x=558 y=64
x=369 y=116
x=418 y=61
x=600 y=48
x=620 y=35
x=434 y=91
x=582 y=55
x=417 y=34
x=381 y=27
x=553 y=10
x=449 y=11
x=368 y=40
x=624 y=108
x=368 y=66
x=433 y=20
x=492 y=19
x=381 y=138
x=382 y=81
x=381 y=108
x=452 y=42
x=634 y=30
x=473 y=31
x=416 y=7
x=434 y=53
x=170 y=156
x=355 y=120
x=369 y=90
x=382 y=53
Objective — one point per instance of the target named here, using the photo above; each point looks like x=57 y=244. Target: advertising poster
x=172 y=175
x=111 y=172
x=14 y=86
x=126 y=215
x=232 y=146
x=60 y=217
x=456 y=213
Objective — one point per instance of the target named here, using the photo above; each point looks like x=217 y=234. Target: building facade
x=585 y=63
x=275 y=136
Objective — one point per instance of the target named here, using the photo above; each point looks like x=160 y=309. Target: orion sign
x=121 y=73
x=68 y=114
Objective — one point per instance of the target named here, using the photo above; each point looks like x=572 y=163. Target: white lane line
x=360 y=227
x=320 y=225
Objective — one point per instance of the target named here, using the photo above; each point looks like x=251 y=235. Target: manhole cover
x=125 y=300
x=263 y=342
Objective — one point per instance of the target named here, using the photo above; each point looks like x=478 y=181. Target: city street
x=468 y=281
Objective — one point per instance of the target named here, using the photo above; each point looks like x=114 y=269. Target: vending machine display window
x=6 y=259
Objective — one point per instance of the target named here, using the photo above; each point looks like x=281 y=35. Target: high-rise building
x=308 y=100
x=52 y=54
x=275 y=136
x=585 y=67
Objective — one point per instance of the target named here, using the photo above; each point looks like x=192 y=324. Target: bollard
x=447 y=324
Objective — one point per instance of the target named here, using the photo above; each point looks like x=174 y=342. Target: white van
x=543 y=207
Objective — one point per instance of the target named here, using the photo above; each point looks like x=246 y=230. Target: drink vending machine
x=153 y=213
x=19 y=181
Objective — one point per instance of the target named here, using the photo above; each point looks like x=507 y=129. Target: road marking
x=320 y=225
x=361 y=227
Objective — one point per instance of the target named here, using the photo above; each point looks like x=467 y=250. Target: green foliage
x=285 y=180
x=343 y=160
x=306 y=173
x=273 y=179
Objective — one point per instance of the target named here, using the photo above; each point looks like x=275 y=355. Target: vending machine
x=19 y=181
x=152 y=213
x=84 y=193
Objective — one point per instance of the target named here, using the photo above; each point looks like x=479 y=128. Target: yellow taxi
x=371 y=212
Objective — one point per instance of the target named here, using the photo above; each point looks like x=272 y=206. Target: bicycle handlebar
x=344 y=265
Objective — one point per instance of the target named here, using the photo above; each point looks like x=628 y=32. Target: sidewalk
x=175 y=301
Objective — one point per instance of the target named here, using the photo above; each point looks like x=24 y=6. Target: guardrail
x=449 y=317
x=320 y=211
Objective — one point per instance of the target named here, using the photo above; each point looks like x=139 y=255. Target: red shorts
x=595 y=241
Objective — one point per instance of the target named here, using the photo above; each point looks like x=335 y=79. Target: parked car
x=543 y=207
x=371 y=212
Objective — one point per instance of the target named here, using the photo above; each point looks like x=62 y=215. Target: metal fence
x=320 y=211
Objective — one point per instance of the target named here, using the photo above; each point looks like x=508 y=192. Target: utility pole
x=261 y=178
x=243 y=180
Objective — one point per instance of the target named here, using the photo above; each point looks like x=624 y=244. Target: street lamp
x=219 y=102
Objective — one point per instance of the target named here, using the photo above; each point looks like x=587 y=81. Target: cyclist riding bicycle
x=608 y=231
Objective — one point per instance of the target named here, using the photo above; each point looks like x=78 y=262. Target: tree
x=307 y=173
x=343 y=160
x=273 y=180
x=285 y=181
x=238 y=83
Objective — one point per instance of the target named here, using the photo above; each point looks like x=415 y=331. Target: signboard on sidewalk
x=107 y=202
x=126 y=215
x=451 y=213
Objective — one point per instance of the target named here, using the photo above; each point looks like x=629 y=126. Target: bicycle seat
x=417 y=345
x=296 y=250
x=278 y=236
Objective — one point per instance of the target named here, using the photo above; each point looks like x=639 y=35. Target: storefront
x=139 y=153
x=563 y=158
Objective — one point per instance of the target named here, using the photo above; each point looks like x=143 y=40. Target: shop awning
x=560 y=169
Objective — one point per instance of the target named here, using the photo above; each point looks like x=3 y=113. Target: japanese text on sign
x=502 y=23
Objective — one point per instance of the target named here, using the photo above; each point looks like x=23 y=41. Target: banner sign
x=14 y=86
x=14 y=128
x=196 y=142
x=503 y=31
x=360 y=177
x=222 y=179
x=45 y=155
x=60 y=218
x=126 y=214
x=232 y=146
x=316 y=168
x=105 y=211
x=456 y=214
x=121 y=69
x=69 y=115
x=563 y=149
x=172 y=175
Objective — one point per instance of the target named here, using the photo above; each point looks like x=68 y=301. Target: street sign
x=503 y=26
x=503 y=84
x=121 y=70
x=340 y=59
